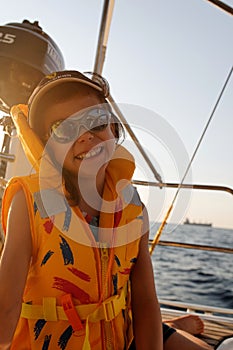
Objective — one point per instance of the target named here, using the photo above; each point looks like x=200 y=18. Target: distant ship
x=187 y=222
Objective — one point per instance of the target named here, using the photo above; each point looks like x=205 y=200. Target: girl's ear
x=114 y=130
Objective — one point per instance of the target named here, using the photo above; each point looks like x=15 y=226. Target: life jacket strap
x=49 y=311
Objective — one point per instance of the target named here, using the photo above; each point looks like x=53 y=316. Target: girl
x=75 y=270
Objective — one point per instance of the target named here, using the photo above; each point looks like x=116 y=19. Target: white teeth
x=90 y=154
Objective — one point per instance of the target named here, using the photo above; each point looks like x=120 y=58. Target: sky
x=166 y=63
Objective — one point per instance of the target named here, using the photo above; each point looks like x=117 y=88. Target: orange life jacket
x=77 y=291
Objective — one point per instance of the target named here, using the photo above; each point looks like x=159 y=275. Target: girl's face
x=89 y=154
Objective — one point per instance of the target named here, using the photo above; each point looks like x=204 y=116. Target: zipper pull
x=104 y=251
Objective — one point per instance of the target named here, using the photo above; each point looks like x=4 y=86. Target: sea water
x=194 y=276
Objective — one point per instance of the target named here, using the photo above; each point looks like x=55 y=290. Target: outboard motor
x=27 y=53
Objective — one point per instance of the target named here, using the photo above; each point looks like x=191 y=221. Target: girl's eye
x=63 y=131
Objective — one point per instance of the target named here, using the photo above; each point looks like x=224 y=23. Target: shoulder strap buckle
x=109 y=309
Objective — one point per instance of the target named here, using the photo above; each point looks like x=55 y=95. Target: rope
x=159 y=231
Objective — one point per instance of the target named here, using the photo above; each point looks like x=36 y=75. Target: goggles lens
x=68 y=130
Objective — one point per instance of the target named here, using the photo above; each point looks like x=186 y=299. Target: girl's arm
x=14 y=266
x=145 y=307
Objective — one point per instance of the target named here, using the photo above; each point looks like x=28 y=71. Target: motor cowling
x=27 y=53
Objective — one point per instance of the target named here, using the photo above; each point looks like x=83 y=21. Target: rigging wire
x=160 y=229
x=222 y=5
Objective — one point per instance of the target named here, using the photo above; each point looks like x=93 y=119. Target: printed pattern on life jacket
x=67 y=255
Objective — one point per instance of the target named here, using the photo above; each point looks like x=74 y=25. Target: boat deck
x=216 y=327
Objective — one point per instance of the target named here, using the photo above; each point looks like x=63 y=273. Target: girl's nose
x=85 y=136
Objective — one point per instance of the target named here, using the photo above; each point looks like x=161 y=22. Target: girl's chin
x=86 y=168
x=92 y=170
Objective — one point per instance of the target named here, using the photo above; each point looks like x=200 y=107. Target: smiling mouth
x=90 y=154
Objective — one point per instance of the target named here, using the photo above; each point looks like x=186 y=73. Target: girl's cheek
x=60 y=152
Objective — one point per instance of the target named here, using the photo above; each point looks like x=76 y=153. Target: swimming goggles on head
x=68 y=130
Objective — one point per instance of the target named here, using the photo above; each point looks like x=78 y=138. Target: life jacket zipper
x=104 y=251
